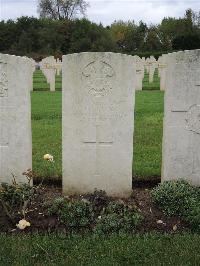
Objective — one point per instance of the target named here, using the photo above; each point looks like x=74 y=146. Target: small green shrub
x=15 y=198
x=97 y=212
x=179 y=198
x=72 y=213
x=99 y=200
x=14 y=194
x=118 y=217
x=193 y=215
x=174 y=197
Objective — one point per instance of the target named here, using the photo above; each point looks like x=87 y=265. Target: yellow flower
x=48 y=157
x=23 y=224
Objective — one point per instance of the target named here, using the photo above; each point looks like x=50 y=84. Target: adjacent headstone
x=181 y=139
x=98 y=119
x=15 y=118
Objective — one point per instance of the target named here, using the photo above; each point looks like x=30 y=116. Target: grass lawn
x=152 y=249
x=40 y=82
x=46 y=133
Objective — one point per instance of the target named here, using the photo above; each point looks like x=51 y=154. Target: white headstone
x=15 y=118
x=181 y=140
x=159 y=63
x=32 y=65
x=98 y=119
x=49 y=70
x=162 y=71
x=58 y=66
x=147 y=64
x=139 y=72
x=152 y=67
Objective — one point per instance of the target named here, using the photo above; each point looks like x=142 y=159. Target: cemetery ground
x=124 y=249
x=156 y=239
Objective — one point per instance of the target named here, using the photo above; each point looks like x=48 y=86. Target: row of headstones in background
x=50 y=67
x=98 y=118
x=149 y=65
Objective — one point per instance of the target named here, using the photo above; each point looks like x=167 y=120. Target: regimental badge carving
x=98 y=76
x=3 y=80
x=193 y=119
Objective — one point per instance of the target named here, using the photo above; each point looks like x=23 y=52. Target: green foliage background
x=38 y=38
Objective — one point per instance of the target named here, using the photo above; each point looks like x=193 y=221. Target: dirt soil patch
x=154 y=219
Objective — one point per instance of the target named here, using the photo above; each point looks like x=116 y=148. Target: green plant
x=193 y=215
x=99 y=201
x=75 y=214
x=15 y=198
x=179 y=198
x=118 y=217
x=174 y=197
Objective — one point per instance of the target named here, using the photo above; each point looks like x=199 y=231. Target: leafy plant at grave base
x=179 y=198
x=193 y=216
x=75 y=213
x=15 y=198
x=99 y=200
x=118 y=217
x=95 y=211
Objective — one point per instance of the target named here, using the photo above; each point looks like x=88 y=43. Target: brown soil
x=154 y=219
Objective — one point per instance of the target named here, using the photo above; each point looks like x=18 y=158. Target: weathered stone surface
x=15 y=118
x=98 y=119
x=181 y=139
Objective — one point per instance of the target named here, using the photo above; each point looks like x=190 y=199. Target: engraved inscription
x=193 y=119
x=3 y=80
x=98 y=76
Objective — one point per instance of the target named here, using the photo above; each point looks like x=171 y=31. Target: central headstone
x=98 y=119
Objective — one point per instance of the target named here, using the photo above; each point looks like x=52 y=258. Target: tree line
x=50 y=35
